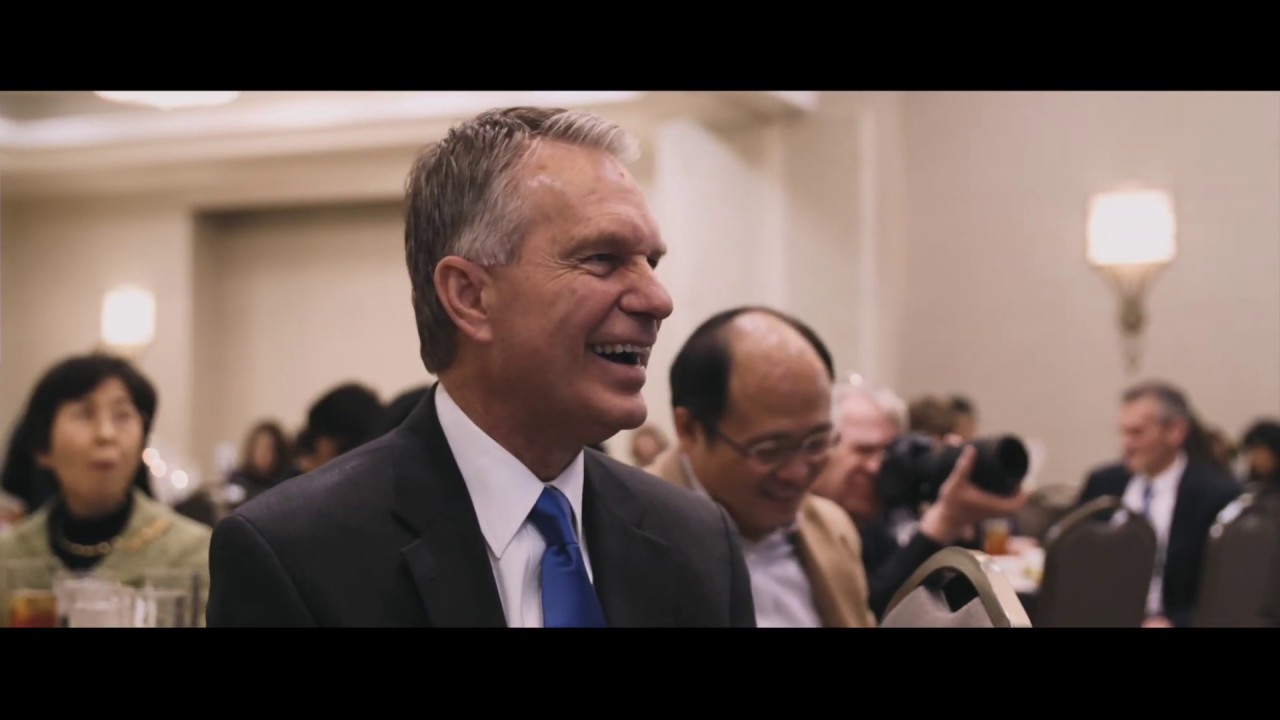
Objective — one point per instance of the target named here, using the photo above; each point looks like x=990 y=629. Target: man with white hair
x=868 y=419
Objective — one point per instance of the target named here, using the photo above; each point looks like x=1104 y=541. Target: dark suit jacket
x=887 y=564
x=1202 y=493
x=386 y=535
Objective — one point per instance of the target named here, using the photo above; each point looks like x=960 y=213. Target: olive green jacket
x=155 y=537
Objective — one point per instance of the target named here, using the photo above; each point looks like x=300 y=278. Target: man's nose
x=104 y=428
x=796 y=471
x=648 y=296
x=874 y=464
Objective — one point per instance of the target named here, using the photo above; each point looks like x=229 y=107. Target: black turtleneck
x=63 y=525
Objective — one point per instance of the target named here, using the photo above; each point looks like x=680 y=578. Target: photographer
x=869 y=421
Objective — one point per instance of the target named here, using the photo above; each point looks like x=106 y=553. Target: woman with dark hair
x=24 y=480
x=341 y=420
x=264 y=460
x=83 y=433
x=20 y=478
x=1261 y=448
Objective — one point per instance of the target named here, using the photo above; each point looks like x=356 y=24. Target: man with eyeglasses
x=751 y=391
x=752 y=396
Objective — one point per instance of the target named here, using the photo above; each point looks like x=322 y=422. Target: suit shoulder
x=1219 y=485
x=1108 y=479
x=1109 y=472
x=831 y=520
x=658 y=493
x=335 y=489
x=829 y=513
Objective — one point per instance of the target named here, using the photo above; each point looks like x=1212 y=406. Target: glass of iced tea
x=31 y=601
x=995 y=539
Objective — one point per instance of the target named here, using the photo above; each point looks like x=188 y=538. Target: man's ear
x=688 y=430
x=463 y=289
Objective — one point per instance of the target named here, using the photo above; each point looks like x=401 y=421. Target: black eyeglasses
x=776 y=453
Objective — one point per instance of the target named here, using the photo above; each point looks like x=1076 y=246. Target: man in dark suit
x=1167 y=476
x=531 y=255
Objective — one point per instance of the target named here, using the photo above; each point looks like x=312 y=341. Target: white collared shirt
x=780 y=587
x=503 y=492
x=1164 y=496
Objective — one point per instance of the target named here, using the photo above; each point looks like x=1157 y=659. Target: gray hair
x=462 y=199
x=882 y=398
x=1172 y=401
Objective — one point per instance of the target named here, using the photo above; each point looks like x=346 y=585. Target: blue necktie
x=1147 y=491
x=568 y=599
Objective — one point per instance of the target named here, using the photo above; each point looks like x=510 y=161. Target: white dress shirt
x=781 y=590
x=1164 y=496
x=780 y=587
x=503 y=492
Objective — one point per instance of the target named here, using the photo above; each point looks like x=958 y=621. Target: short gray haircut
x=882 y=398
x=462 y=198
x=1171 y=400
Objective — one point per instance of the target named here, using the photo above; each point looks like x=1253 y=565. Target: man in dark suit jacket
x=531 y=255
x=1166 y=475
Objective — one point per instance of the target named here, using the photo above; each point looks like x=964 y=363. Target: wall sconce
x=128 y=320
x=1132 y=236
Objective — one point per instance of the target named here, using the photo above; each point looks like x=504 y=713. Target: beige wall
x=292 y=303
x=59 y=255
x=933 y=239
x=1000 y=303
x=57 y=259
x=718 y=202
x=844 y=232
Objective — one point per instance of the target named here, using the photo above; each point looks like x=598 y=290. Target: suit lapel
x=1182 y=526
x=628 y=564
x=448 y=561
x=829 y=579
x=1116 y=484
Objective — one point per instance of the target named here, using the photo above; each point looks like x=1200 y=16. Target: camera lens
x=1013 y=458
x=1002 y=464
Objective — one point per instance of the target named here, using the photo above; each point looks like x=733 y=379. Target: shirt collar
x=1170 y=475
x=503 y=491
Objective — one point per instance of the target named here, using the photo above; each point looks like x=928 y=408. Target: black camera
x=916 y=465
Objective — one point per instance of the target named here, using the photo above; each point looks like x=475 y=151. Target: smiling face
x=1150 y=440
x=573 y=321
x=849 y=477
x=779 y=410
